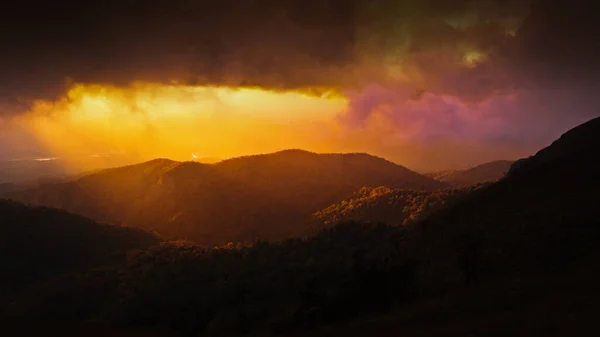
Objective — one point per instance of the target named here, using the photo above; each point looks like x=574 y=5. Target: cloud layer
x=464 y=48
x=509 y=76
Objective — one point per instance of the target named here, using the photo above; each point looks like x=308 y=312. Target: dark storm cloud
x=459 y=48
x=267 y=43
x=296 y=43
x=559 y=44
x=492 y=73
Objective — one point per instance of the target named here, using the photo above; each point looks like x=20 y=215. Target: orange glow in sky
x=148 y=121
x=91 y=125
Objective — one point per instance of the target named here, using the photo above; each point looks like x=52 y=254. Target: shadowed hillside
x=544 y=214
x=487 y=172
x=526 y=246
x=38 y=242
x=233 y=200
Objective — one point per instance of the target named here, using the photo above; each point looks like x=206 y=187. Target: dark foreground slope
x=487 y=172
x=180 y=288
x=243 y=199
x=38 y=243
x=518 y=258
x=548 y=205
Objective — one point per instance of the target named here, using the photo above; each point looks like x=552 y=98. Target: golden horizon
x=174 y=121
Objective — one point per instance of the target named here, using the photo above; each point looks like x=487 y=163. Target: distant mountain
x=491 y=171
x=38 y=242
x=268 y=196
x=207 y=160
x=7 y=188
x=18 y=171
x=32 y=170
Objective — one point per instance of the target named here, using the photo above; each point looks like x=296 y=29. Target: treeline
x=393 y=206
x=345 y=271
x=348 y=269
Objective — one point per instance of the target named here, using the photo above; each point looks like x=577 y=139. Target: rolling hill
x=269 y=196
x=19 y=171
x=392 y=206
x=487 y=172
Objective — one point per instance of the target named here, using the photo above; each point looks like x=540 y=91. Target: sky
x=429 y=84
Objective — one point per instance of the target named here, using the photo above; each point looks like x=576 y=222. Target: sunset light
x=299 y=168
x=171 y=121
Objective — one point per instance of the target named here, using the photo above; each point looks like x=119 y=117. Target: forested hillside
x=233 y=200
x=393 y=206
x=37 y=243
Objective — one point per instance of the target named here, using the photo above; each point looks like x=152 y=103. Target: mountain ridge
x=578 y=141
x=486 y=172
x=209 y=202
